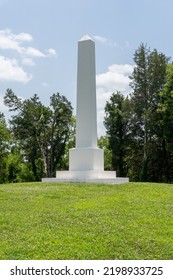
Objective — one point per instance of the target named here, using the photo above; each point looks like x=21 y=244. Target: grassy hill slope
x=86 y=221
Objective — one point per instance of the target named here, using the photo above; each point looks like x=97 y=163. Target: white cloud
x=11 y=41
x=25 y=37
x=105 y=41
x=8 y=42
x=34 y=52
x=11 y=71
x=51 y=52
x=101 y=39
x=28 y=61
x=124 y=69
x=112 y=81
x=116 y=78
x=110 y=43
x=18 y=43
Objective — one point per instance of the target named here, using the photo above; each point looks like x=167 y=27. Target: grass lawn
x=86 y=221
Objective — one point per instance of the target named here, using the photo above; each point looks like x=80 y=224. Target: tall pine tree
x=147 y=81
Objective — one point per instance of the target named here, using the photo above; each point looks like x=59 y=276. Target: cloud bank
x=10 y=70
x=18 y=45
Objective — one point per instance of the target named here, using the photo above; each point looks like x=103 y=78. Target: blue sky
x=38 y=44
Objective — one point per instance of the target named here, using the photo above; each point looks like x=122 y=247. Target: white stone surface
x=82 y=159
x=117 y=180
x=85 y=37
x=90 y=176
x=86 y=118
x=86 y=156
x=82 y=175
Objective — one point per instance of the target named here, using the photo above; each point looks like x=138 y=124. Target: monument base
x=90 y=176
x=87 y=165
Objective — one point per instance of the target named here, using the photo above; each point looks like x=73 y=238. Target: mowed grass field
x=86 y=221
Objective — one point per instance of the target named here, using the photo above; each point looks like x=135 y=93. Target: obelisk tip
x=85 y=38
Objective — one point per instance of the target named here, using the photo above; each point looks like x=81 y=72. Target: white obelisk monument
x=86 y=156
x=86 y=160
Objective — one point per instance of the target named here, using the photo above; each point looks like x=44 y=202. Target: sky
x=38 y=45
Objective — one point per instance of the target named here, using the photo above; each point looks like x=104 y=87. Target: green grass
x=86 y=221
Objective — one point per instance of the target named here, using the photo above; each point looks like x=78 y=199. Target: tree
x=165 y=109
x=116 y=123
x=4 y=139
x=70 y=144
x=41 y=131
x=148 y=79
x=103 y=143
x=166 y=106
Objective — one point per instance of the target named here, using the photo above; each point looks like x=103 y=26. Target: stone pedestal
x=82 y=159
x=90 y=176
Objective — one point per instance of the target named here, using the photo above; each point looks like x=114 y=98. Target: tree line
x=139 y=128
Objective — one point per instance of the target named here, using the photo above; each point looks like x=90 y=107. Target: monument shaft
x=86 y=122
x=86 y=156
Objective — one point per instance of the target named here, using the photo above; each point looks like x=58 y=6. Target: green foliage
x=18 y=170
x=70 y=144
x=86 y=221
x=166 y=106
x=147 y=79
x=103 y=143
x=4 y=144
x=116 y=123
x=42 y=132
x=139 y=128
